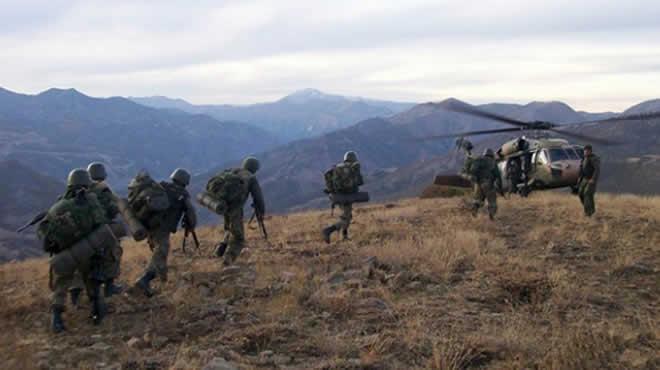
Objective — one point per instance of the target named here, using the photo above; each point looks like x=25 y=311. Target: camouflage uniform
x=589 y=173
x=485 y=179
x=112 y=260
x=159 y=236
x=233 y=217
x=346 y=215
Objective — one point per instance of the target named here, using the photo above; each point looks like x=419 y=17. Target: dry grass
x=420 y=285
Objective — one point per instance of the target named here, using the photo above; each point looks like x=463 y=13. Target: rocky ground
x=420 y=285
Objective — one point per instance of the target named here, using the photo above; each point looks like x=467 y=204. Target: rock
x=415 y=285
x=287 y=277
x=204 y=291
x=135 y=343
x=336 y=278
x=266 y=354
x=159 y=341
x=101 y=347
x=219 y=363
x=43 y=354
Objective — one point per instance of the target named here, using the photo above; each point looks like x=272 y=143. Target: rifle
x=35 y=220
x=187 y=232
x=260 y=220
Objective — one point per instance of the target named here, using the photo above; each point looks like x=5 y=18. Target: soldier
x=107 y=199
x=166 y=222
x=75 y=232
x=347 y=179
x=485 y=177
x=589 y=173
x=514 y=174
x=234 y=241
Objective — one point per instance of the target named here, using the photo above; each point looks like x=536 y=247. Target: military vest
x=588 y=166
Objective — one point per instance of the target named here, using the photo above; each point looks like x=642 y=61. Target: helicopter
x=532 y=161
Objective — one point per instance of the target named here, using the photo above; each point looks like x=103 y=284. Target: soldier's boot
x=220 y=249
x=144 y=281
x=344 y=234
x=327 y=232
x=474 y=211
x=98 y=306
x=57 y=324
x=112 y=289
x=491 y=215
x=75 y=296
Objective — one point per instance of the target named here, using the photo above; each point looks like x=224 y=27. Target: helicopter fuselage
x=544 y=163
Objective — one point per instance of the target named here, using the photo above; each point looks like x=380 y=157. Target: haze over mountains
x=302 y=114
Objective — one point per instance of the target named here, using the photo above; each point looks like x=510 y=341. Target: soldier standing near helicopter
x=589 y=173
x=486 y=180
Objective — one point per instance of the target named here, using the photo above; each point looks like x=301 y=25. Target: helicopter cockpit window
x=572 y=154
x=558 y=155
x=580 y=152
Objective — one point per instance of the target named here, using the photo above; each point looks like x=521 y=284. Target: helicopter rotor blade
x=630 y=117
x=585 y=137
x=470 y=133
x=471 y=110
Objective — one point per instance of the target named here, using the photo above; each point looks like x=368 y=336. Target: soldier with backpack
x=75 y=232
x=160 y=207
x=226 y=194
x=108 y=200
x=486 y=180
x=343 y=179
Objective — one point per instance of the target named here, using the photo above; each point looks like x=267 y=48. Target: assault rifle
x=34 y=221
x=260 y=221
x=188 y=231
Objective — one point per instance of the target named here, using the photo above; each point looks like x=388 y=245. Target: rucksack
x=177 y=198
x=106 y=198
x=147 y=198
x=343 y=178
x=482 y=168
x=70 y=220
x=229 y=186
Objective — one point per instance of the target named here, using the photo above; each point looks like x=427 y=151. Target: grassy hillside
x=421 y=285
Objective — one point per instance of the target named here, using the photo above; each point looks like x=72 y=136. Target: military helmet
x=350 y=156
x=79 y=177
x=97 y=171
x=180 y=176
x=251 y=164
x=489 y=153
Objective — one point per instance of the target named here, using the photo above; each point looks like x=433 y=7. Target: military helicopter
x=534 y=161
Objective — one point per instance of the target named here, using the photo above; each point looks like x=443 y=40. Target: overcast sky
x=593 y=54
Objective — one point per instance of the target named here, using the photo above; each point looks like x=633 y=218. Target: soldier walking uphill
x=485 y=177
x=75 y=232
x=344 y=178
x=589 y=173
x=226 y=194
x=160 y=207
x=109 y=202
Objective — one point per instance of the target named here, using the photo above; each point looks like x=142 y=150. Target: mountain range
x=58 y=129
x=302 y=114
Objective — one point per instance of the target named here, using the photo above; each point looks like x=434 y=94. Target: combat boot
x=57 y=323
x=112 y=289
x=220 y=249
x=327 y=232
x=491 y=215
x=143 y=283
x=344 y=234
x=75 y=296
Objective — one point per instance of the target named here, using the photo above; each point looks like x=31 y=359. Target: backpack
x=343 y=178
x=482 y=168
x=106 y=198
x=229 y=186
x=177 y=197
x=70 y=220
x=147 y=198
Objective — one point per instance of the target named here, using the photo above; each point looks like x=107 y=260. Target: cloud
x=594 y=54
